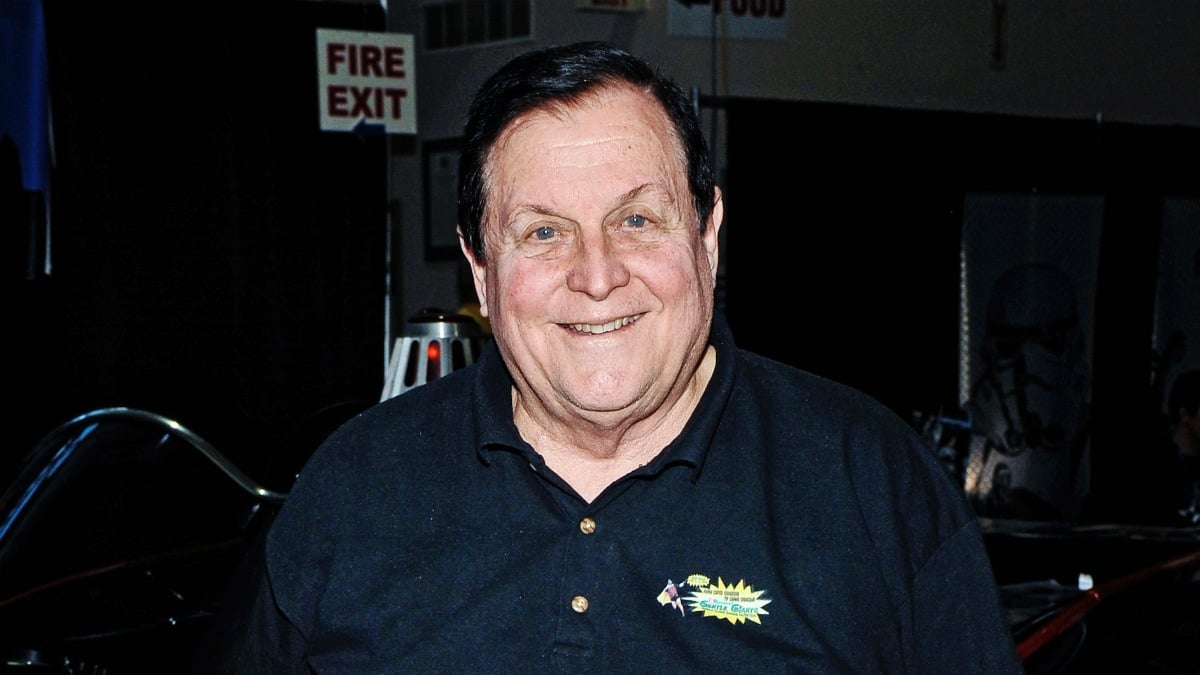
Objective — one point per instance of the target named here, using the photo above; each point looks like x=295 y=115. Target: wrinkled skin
x=598 y=282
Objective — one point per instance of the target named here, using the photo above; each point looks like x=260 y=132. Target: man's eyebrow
x=644 y=188
x=628 y=196
x=537 y=209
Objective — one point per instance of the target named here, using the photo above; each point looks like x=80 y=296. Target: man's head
x=588 y=189
x=556 y=78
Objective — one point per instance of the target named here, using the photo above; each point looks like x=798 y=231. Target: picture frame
x=439 y=162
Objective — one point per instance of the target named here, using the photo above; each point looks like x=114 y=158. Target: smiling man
x=614 y=486
x=598 y=279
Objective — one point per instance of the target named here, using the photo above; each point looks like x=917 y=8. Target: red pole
x=1075 y=611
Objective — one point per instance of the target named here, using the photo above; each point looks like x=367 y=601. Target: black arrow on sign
x=364 y=129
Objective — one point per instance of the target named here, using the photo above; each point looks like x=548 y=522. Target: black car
x=118 y=541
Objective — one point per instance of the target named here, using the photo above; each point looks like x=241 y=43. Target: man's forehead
x=614 y=131
x=631 y=103
x=594 y=97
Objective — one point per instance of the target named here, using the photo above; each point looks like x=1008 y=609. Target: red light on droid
x=434 y=352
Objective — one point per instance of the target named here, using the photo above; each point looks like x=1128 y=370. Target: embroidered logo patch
x=736 y=603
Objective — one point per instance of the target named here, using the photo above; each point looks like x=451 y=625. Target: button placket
x=579 y=603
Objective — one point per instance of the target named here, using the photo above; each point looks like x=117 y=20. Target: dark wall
x=216 y=258
x=842 y=247
x=844 y=236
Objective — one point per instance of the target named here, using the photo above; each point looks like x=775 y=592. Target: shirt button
x=579 y=604
x=587 y=526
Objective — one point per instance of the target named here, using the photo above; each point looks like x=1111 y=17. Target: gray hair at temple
x=561 y=76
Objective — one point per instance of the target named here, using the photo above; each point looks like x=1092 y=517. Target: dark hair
x=1185 y=394
x=563 y=75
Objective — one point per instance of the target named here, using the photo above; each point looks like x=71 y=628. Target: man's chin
x=607 y=400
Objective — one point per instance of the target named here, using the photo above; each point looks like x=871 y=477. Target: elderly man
x=614 y=486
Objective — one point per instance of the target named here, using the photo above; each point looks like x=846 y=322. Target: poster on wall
x=1029 y=266
x=366 y=82
x=440 y=174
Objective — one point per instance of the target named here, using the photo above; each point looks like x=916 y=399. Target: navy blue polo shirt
x=795 y=525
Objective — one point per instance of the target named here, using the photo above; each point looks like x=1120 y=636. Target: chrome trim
x=215 y=456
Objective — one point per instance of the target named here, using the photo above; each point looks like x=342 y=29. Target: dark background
x=844 y=259
x=216 y=258
x=219 y=260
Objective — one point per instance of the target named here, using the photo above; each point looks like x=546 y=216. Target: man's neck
x=590 y=457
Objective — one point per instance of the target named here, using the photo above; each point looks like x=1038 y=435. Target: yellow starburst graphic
x=736 y=603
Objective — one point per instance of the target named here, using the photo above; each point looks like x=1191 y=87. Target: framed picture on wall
x=440 y=173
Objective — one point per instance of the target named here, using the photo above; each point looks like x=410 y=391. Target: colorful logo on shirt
x=736 y=603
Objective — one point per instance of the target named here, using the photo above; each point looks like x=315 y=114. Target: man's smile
x=598 y=328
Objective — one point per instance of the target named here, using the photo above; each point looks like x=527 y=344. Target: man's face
x=599 y=284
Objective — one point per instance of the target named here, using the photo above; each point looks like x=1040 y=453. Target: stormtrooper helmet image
x=1029 y=405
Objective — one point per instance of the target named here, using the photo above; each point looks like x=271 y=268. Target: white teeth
x=596 y=329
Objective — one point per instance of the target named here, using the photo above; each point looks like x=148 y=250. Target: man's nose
x=597 y=268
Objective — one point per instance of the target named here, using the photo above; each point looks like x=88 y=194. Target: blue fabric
x=793 y=526
x=24 y=93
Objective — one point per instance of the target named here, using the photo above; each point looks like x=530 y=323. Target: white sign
x=366 y=82
x=734 y=19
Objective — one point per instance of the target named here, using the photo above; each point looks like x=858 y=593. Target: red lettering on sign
x=394 y=96
x=372 y=103
x=366 y=60
x=371 y=56
x=393 y=61
x=335 y=53
x=361 y=96
x=337 y=101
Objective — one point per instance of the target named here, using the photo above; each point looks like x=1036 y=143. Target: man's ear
x=713 y=230
x=478 y=273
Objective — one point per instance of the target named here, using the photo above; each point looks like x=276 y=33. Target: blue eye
x=544 y=232
x=636 y=220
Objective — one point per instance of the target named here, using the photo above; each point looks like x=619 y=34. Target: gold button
x=587 y=526
x=579 y=604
